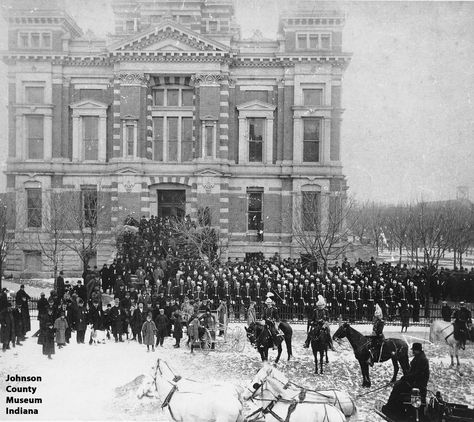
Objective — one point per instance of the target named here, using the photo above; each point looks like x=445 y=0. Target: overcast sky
x=408 y=92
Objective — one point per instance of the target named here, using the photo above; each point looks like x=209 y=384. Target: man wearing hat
x=272 y=319
x=416 y=377
x=446 y=312
x=462 y=324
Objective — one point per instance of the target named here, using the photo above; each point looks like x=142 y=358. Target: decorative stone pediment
x=88 y=104
x=208 y=172
x=256 y=105
x=127 y=171
x=169 y=36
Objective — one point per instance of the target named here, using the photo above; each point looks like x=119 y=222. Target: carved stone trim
x=207 y=79
x=133 y=79
x=208 y=186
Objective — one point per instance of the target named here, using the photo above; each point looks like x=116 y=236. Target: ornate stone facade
x=175 y=105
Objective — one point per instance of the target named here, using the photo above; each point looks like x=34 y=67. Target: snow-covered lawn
x=83 y=382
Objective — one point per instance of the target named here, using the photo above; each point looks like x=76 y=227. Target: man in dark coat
x=7 y=330
x=80 y=321
x=462 y=322
x=18 y=334
x=138 y=318
x=81 y=290
x=59 y=285
x=22 y=299
x=416 y=377
x=446 y=312
x=117 y=316
x=162 y=323
x=96 y=318
x=46 y=337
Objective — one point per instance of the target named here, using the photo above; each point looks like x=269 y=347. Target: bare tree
x=197 y=239
x=7 y=225
x=396 y=224
x=461 y=228
x=86 y=222
x=321 y=227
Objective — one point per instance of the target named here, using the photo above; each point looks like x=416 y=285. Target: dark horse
x=320 y=339
x=261 y=338
x=392 y=348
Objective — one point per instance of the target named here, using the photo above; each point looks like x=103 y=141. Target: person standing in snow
x=148 y=332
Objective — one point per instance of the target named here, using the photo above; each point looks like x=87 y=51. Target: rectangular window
x=129 y=26
x=35 y=137
x=313 y=41
x=172 y=97
x=158 y=138
x=312 y=97
x=185 y=19
x=46 y=40
x=212 y=26
x=186 y=139
x=35 y=40
x=255 y=201
x=89 y=206
x=172 y=138
x=325 y=42
x=310 y=211
x=91 y=137
x=209 y=134
x=159 y=97
x=34 y=94
x=24 y=40
x=256 y=134
x=311 y=139
x=130 y=140
x=301 y=42
x=32 y=261
x=34 y=207
x=187 y=98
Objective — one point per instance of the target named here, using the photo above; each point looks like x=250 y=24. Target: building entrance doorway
x=171 y=203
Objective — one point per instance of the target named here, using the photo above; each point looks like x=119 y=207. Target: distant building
x=172 y=114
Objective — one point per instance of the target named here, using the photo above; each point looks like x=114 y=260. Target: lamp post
x=416 y=401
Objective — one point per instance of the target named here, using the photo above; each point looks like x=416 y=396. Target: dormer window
x=313 y=41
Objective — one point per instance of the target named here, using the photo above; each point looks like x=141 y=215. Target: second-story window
x=34 y=207
x=90 y=137
x=34 y=94
x=173 y=124
x=256 y=135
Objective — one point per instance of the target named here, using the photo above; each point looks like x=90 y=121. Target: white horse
x=443 y=331
x=283 y=400
x=189 y=400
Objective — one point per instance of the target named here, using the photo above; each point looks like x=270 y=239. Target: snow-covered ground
x=83 y=382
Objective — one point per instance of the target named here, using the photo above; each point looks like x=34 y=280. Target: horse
x=277 y=394
x=260 y=337
x=320 y=340
x=444 y=331
x=392 y=348
x=189 y=400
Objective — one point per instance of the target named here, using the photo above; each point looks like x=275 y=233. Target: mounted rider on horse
x=271 y=316
x=319 y=322
x=377 y=337
x=462 y=323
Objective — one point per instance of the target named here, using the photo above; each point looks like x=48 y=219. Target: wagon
x=222 y=337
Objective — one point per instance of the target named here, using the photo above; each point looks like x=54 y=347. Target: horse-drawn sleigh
x=219 y=335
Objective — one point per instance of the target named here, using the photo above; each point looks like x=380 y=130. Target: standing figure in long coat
x=60 y=326
x=46 y=337
x=222 y=316
x=22 y=299
x=177 y=328
x=7 y=330
x=148 y=332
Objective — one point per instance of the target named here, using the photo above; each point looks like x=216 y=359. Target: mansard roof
x=168 y=36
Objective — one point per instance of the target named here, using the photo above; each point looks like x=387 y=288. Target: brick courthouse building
x=172 y=113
